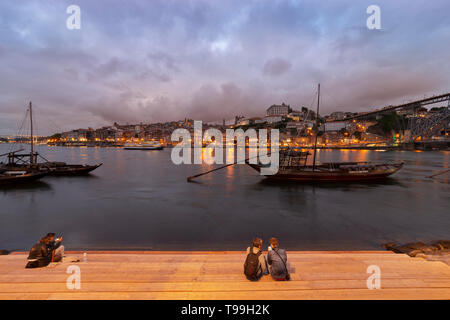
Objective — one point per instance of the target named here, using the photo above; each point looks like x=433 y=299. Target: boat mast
x=317 y=127
x=31 y=129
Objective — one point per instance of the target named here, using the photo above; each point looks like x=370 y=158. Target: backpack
x=251 y=265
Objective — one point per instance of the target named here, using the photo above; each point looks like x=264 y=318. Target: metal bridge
x=427 y=127
x=406 y=106
x=420 y=127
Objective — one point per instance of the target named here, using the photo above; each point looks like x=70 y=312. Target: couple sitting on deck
x=47 y=250
x=256 y=265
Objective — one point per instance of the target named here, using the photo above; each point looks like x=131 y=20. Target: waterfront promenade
x=219 y=275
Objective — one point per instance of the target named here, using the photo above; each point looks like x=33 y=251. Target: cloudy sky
x=154 y=60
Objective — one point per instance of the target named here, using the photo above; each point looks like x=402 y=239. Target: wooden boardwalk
x=218 y=275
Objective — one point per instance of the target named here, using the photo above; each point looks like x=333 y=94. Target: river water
x=141 y=200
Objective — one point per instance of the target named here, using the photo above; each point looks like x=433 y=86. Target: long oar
x=438 y=174
x=189 y=179
x=5 y=154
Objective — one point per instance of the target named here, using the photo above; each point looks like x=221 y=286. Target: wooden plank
x=206 y=275
x=130 y=286
x=405 y=294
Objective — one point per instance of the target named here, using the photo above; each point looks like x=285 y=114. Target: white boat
x=148 y=145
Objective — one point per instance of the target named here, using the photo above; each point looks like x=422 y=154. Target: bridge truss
x=426 y=127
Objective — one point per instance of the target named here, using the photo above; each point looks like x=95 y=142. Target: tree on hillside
x=56 y=136
x=391 y=122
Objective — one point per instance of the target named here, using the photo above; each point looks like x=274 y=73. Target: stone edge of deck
x=210 y=252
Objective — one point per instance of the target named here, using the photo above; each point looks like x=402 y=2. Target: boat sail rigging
x=19 y=162
x=293 y=165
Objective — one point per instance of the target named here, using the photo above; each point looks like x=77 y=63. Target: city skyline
x=166 y=60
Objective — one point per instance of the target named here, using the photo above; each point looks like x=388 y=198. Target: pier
x=219 y=275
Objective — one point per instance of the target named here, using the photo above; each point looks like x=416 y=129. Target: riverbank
x=218 y=275
x=438 y=145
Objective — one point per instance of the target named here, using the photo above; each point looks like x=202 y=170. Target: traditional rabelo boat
x=293 y=166
x=18 y=177
x=30 y=163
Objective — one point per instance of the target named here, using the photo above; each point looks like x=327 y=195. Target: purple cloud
x=164 y=60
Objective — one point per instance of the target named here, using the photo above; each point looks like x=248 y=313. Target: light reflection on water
x=140 y=200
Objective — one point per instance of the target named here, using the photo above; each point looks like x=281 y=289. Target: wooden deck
x=218 y=275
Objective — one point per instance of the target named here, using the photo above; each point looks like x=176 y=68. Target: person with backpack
x=255 y=265
x=277 y=259
x=47 y=250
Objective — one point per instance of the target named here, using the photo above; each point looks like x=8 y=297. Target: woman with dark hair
x=39 y=256
x=55 y=248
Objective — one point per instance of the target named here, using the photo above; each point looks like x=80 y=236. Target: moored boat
x=29 y=161
x=49 y=168
x=148 y=145
x=64 y=169
x=17 y=177
x=293 y=168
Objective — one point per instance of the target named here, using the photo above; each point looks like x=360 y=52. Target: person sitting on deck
x=255 y=264
x=55 y=248
x=277 y=259
x=39 y=255
x=47 y=250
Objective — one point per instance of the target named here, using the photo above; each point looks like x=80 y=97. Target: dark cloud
x=276 y=67
x=166 y=59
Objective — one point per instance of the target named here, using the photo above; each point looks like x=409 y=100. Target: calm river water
x=141 y=200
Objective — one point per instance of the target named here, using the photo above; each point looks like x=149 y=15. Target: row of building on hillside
x=121 y=133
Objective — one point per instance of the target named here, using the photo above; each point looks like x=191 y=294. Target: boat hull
x=56 y=169
x=321 y=175
x=74 y=170
x=13 y=180
x=143 y=148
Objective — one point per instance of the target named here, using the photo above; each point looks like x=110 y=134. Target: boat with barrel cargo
x=293 y=167
x=29 y=161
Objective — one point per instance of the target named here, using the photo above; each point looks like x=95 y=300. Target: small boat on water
x=17 y=162
x=148 y=145
x=18 y=177
x=64 y=169
x=293 y=167
x=29 y=161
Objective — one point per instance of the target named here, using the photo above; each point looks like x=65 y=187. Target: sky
x=161 y=60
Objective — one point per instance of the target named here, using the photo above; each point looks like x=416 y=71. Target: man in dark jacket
x=277 y=259
x=39 y=255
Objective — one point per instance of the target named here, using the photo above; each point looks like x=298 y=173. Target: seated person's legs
x=59 y=253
